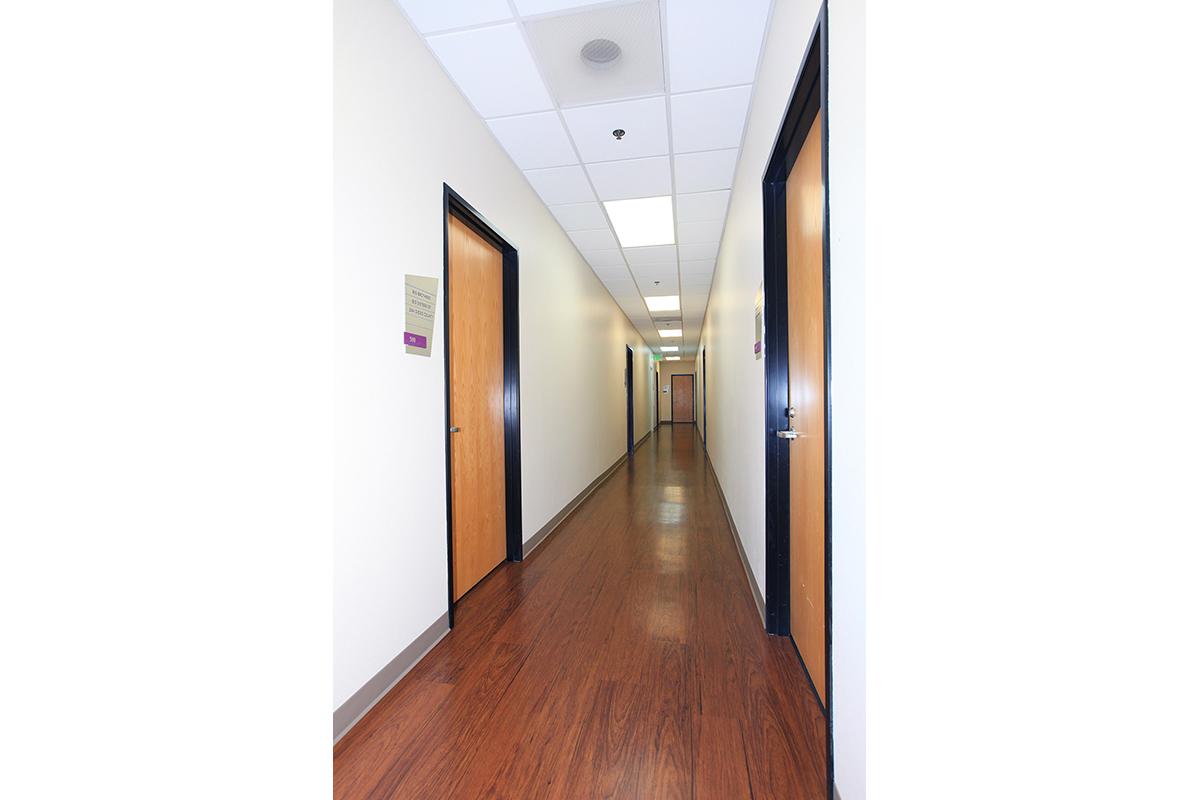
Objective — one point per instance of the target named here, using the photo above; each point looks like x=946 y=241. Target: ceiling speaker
x=609 y=53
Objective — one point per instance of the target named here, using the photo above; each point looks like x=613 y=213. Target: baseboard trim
x=836 y=794
x=350 y=712
x=569 y=508
x=737 y=540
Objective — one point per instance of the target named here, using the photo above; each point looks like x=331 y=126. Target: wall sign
x=420 y=303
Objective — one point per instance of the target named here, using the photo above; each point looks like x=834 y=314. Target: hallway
x=623 y=658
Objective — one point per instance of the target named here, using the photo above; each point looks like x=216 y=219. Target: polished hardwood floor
x=624 y=658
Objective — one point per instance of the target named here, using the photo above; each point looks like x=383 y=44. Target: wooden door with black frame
x=476 y=386
x=629 y=399
x=683 y=398
x=796 y=378
x=805 y=205
x=704 y=395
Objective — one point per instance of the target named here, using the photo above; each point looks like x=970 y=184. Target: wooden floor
x=624 y=658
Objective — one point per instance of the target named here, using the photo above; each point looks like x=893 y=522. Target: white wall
x=735 y=382
x=401 y=129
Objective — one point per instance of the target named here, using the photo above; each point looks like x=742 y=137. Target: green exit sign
x=657 y=356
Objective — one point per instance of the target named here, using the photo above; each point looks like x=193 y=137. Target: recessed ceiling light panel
x=671 y=358
x=667 y=333
x=643 y=222
x=669 y=348
x=664 y=303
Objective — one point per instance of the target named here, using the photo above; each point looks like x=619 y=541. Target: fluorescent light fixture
x=669 y=302
x=642 y=222
x=671 y=358
x=670 y=348
x=667 y=333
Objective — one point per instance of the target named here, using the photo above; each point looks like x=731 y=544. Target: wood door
x=806 y=394
x=476 y=318
x=683 y=399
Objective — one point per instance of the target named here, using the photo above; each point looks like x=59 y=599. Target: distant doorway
x=629 y=399
x=683 y=398
x=657 y=421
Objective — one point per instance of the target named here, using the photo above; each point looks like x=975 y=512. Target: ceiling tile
x=601 y=239
x=639 y=177
x=612 y=273
x=623 y=288
x=659 y=254
x=701 y=207
x=668 y=283
x=438 y=15
x=604 y=258
x=636 y=71
x=625 y=293
x=694 y=252
x=709 y=120
x=655 y=272
x=561 y=184
x=579 y=216
x=695 y=280
x=644 y=122
x=494 y=69
x=713 y=43
x=635 y=306
x=534 y=140
x=699 y=232
x=530 y=7
x=702 y=172
x=704 y=266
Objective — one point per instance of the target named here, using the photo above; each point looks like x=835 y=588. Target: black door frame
x=628 y=400
x=454 y=204
x=810 y=95
x=657 y=389
x=691 y=375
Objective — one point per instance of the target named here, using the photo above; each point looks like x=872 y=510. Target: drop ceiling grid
x=762 y=41
x=606 y=275
x=562 y=120
x=666 y=58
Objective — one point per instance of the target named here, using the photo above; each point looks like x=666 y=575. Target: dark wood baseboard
x=737 y=540
x=561 y=517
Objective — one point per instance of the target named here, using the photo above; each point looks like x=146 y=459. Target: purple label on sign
x=415 y=340
x=757 y=346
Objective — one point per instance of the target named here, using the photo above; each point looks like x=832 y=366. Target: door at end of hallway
x=683 y=398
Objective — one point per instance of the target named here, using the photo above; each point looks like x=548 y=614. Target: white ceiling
x=680 y=91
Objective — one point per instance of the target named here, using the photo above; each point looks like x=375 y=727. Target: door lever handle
x=790 y=433
x=454 y=429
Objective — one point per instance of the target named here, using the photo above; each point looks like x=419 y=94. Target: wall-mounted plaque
x=420 y=303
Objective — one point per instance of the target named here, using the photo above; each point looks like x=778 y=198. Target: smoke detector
x=600 y=53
